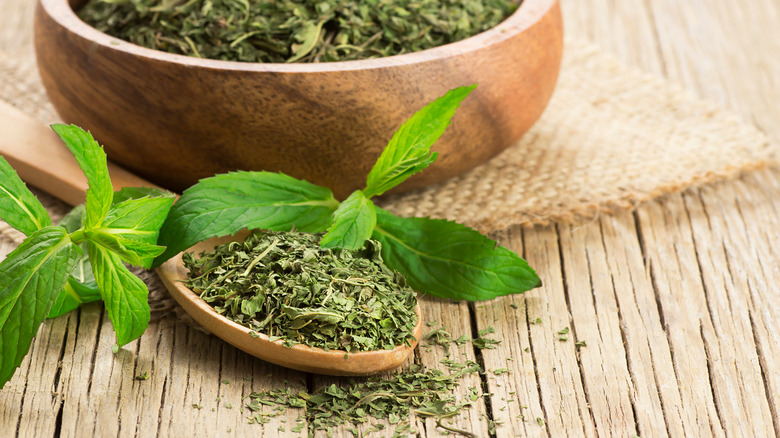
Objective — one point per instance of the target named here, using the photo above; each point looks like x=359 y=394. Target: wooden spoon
x=42 y=160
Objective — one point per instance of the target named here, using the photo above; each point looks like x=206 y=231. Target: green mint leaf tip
x=93 y=162
x=409 y=150
x=353 y=223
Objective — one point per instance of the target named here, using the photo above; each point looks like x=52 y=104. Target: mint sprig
x=438 y=257
x=58 y=268
x=49 y=273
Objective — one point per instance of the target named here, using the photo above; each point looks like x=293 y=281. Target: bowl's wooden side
x=174 y=119
x=299 y=357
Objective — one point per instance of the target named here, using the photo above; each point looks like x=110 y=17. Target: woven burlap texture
x=612 y=137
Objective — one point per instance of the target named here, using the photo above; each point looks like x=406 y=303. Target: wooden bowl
x=175 y=119
x=300 y=357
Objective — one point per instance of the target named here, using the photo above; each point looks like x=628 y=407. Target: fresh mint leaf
x=140 y=192
x=353 y=223
x=136 y=222
x=19 y=207
x=81 y=287
x=124 y=294
x=135 y=252
x=133 y=220
x=409 y=151
x=450 y=260
x=30 y=279
x=74 y=294
x=92 y=160
x=225 y=204
x=138 y=219
x=74 y=219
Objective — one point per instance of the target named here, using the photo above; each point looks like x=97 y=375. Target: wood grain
x=677 y=302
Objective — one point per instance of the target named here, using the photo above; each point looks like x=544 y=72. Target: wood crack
x=571 y=323
x=714 y=427
x=764 y=369
x=623 y=337
x=536 y=376
x=481 y=361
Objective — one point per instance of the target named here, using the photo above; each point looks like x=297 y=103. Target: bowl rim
x=529 y=13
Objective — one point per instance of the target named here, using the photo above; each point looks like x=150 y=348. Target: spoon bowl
x=300 y=357
x=41 y=159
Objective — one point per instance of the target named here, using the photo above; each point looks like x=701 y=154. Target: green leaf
x=92 y=160
x=124 y=294
x=140 y=192
x=74 y=294
x=135 y=252
x=450 y=260
x=81 y=287
x=19 y=207
x=139 y=218
x=225 y=204
x=136 y=221
x=409 y=151
x=353 y=223
x=307 y=38
x=74 y=219
x=30 y=278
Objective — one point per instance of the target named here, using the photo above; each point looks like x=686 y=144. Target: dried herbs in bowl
x=283 y=284
x=273 y=31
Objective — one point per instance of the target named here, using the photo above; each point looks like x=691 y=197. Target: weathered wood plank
x=725 y=52
x=755 y=194
x=596 y=320
x=623 y=27
x=42 y=400
x=655 y=396
x=730 y=345
x=666 y=232
x=747 y=302
x=516 y=402
x=203 y=368
x=456 y=318
x=77 y=368
x=564 y=402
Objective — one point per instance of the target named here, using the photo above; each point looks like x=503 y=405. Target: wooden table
x=677 y=301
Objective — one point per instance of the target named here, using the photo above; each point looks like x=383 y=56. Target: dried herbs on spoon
x=285 y=285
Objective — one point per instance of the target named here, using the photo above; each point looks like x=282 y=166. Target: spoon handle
x=41 y=159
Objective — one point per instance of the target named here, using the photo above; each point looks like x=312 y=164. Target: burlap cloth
x=612 y=137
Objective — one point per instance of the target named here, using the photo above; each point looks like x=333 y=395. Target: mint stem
x=78 y=236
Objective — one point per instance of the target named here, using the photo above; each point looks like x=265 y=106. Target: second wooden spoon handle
x=41 y=159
